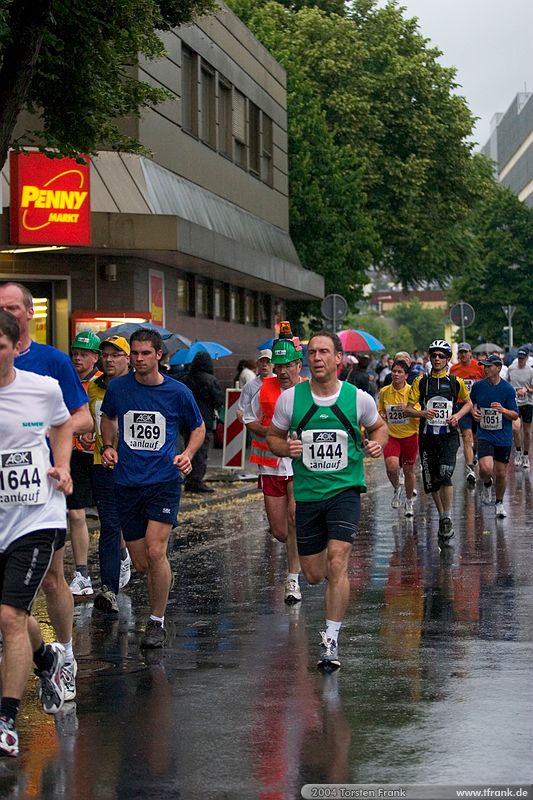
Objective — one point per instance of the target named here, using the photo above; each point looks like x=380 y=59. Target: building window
x=220 y=304
x=239 y=128
x=224 y=118
x=255 y=139
x=183 y=297
x=235 y=305
x=202 y=299
x=263 y=311
x=267 y=169
x=208 y=129
x=250 y=309
x=189 y=90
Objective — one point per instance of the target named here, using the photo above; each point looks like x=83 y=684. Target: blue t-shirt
x=149 y=419
x=43 y=359
x=494 y=427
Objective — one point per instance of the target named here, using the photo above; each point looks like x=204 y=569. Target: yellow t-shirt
x=96 y=396
x=399 y=425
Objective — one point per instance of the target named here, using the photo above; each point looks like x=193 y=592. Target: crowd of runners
x=102 y=429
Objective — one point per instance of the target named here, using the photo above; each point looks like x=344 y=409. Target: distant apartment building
x=510 y=146
x=195 y=236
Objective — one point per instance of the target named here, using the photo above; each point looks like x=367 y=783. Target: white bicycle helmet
x=440 y=344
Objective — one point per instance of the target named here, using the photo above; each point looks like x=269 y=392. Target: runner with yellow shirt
x=402 y=448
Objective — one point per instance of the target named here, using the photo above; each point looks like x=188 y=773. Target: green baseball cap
x=284 y=352
x=86 y=340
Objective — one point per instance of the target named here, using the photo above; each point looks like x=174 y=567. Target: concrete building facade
x=510 y=146
x=206 y=214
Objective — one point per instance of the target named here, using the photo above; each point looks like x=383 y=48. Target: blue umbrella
x=125 y=329
x=214 y=349
x=266 y=345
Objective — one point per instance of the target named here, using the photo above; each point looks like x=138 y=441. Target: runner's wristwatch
x=105 y=447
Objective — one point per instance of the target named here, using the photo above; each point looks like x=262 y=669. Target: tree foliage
x=503 y=227
x=68 y=61
x=381 y=170
x=424 y=324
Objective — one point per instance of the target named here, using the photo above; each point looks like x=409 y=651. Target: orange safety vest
x=77 y=444
x=268 y=395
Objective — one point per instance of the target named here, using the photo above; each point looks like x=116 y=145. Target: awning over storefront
x=141 y=207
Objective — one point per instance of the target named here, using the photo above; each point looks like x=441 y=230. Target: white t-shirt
x=246 y=375
x=29 y=501
x=522 y=379
x=248 y=392
x=367 y=413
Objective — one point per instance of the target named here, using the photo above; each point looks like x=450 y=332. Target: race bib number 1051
x=145 y=430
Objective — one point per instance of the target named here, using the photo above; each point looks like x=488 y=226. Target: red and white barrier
x=234 y=445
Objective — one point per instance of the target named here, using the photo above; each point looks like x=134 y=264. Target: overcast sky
x=490 y=44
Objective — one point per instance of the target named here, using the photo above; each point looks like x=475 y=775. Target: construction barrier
x=234 y=446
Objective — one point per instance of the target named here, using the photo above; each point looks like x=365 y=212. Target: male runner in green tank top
x=318 y=424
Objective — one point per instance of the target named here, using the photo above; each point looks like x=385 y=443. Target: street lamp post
x=509 y=312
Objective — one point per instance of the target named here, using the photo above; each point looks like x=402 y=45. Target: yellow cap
x=119 y=342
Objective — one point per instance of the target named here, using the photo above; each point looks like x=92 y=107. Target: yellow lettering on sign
x=47 y=198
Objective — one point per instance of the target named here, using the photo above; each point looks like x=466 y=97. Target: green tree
x=502 y=275
x=394 y=337
x=67 y=61
x=424 y=324
x=381 y=122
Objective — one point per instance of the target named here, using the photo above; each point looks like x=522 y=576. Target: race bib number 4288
x=145 y=430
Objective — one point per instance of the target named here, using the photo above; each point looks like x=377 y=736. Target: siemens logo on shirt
x=20 y=459
x=32 y=424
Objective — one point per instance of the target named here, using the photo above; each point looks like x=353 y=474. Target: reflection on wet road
x=435 y=687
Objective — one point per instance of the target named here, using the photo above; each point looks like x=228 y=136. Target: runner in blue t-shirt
x=494 y=409
x=48 y=361
x=147 y=410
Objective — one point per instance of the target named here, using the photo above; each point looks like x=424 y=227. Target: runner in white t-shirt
x=32 y=513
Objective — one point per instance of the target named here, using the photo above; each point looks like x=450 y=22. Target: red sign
x=50 y=200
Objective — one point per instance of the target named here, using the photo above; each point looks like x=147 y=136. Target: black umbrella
x=488 y=347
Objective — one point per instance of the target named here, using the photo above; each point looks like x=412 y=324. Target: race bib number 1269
x=145 y=430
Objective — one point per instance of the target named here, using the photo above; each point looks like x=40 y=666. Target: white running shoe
x=68 y=674
x=499 y=510
x=409 y=512
x=52 y=687
x=486 y=494
x=293 y=592
x=395 y=502
x=470 y=475
x=329 y=657
x=525 y=460
x=518 y=458
x=125 y=572
x=81 y=586
x=9 y=739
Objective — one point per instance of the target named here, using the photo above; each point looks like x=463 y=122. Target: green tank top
x=332 y=458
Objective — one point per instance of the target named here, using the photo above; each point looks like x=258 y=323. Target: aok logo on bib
x=325 y=451
x=20 y=459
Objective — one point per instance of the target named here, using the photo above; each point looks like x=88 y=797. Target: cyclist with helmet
x=275 y=473
x=85 y=352
x=438 y=394
x=470 y=370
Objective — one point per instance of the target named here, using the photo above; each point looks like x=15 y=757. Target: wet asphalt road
x=436 y=684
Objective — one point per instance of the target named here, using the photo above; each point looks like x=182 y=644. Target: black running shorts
x=23 y=567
